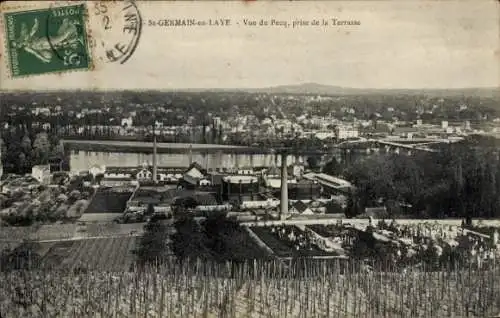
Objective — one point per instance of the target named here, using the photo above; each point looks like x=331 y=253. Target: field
x=53 y=232
x=106 y=201
x=172 y=291
x=112 y=254
x=110 y=229
x=37 y=232
x=96 y=277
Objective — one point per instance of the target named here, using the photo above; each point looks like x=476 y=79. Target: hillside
x=320 y=89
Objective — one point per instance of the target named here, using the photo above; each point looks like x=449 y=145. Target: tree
x=150 y=210
x=333 y=207
x=26 y=144
x=22 y=161
x=313 y=162
x=220 y=135
x=41 y=148
x=352 y=208
x=3 y=150
x=332 y=167
x=204 y=133
x=153 y=246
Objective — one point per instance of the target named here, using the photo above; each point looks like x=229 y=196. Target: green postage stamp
x=47 y=40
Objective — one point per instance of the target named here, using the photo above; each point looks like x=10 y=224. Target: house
x=194 y=174
x=301 y=208
x=127 y=122
x=298 y=170
x=41 y=173
x=245 y=172
x=144 y=174
x=346 y=132
x=116 y=178
x=97 y=170
x=330 y=184
x=167 y=178
x=117 y=182
x=205 y=183
x=117 y=175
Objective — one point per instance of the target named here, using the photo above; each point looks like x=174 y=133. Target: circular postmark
x=66 y=34
x=117 y=27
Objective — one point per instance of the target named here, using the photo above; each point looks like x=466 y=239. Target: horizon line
x=278 y=86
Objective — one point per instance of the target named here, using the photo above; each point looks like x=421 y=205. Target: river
x=81 y=160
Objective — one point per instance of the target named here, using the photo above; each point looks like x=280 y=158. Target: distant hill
x=302 y=89
x=320 y=89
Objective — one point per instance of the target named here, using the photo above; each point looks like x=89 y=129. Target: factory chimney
x=155 y=165
x=284 y=188
x=190 y=154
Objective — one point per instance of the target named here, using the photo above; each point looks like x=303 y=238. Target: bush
x=333 y=207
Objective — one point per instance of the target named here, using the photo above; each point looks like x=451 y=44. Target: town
x=115 y=181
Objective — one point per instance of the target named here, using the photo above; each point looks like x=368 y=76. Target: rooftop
x=334 y=181
x=242 y=179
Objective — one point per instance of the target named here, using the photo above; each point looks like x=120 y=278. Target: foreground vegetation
x=251 y=289
x=89 y=278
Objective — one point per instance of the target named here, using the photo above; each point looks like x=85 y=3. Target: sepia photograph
x=259 y=158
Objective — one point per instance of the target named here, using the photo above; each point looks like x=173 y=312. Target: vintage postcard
x=250 y=158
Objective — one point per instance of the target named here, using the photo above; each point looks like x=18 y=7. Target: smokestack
x=190 y=154
x=155 y=168
x=284 y=187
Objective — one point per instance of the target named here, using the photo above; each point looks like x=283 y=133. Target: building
x=144 y=175
x=118 y=182
x=305 y=190
x=298 y=170
x=245 y=171
x=115 y=179
x=127 y=122
x=300 y=207
x=41 y=173
x=330 y=184
x=346 y=132
x=193 y=176
x=96 y=170
x=161 y=198
x=204 y=183
x=169 y=177
x=239 y=187
x=302 y=189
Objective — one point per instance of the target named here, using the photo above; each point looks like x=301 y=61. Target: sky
x=398 y=44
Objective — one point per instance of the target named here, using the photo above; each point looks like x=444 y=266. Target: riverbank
x=147 y=147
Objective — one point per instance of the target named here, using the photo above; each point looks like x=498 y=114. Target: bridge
x=420 y=144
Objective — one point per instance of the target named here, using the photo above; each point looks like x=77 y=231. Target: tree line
x=22 y=148
x=460 y=180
